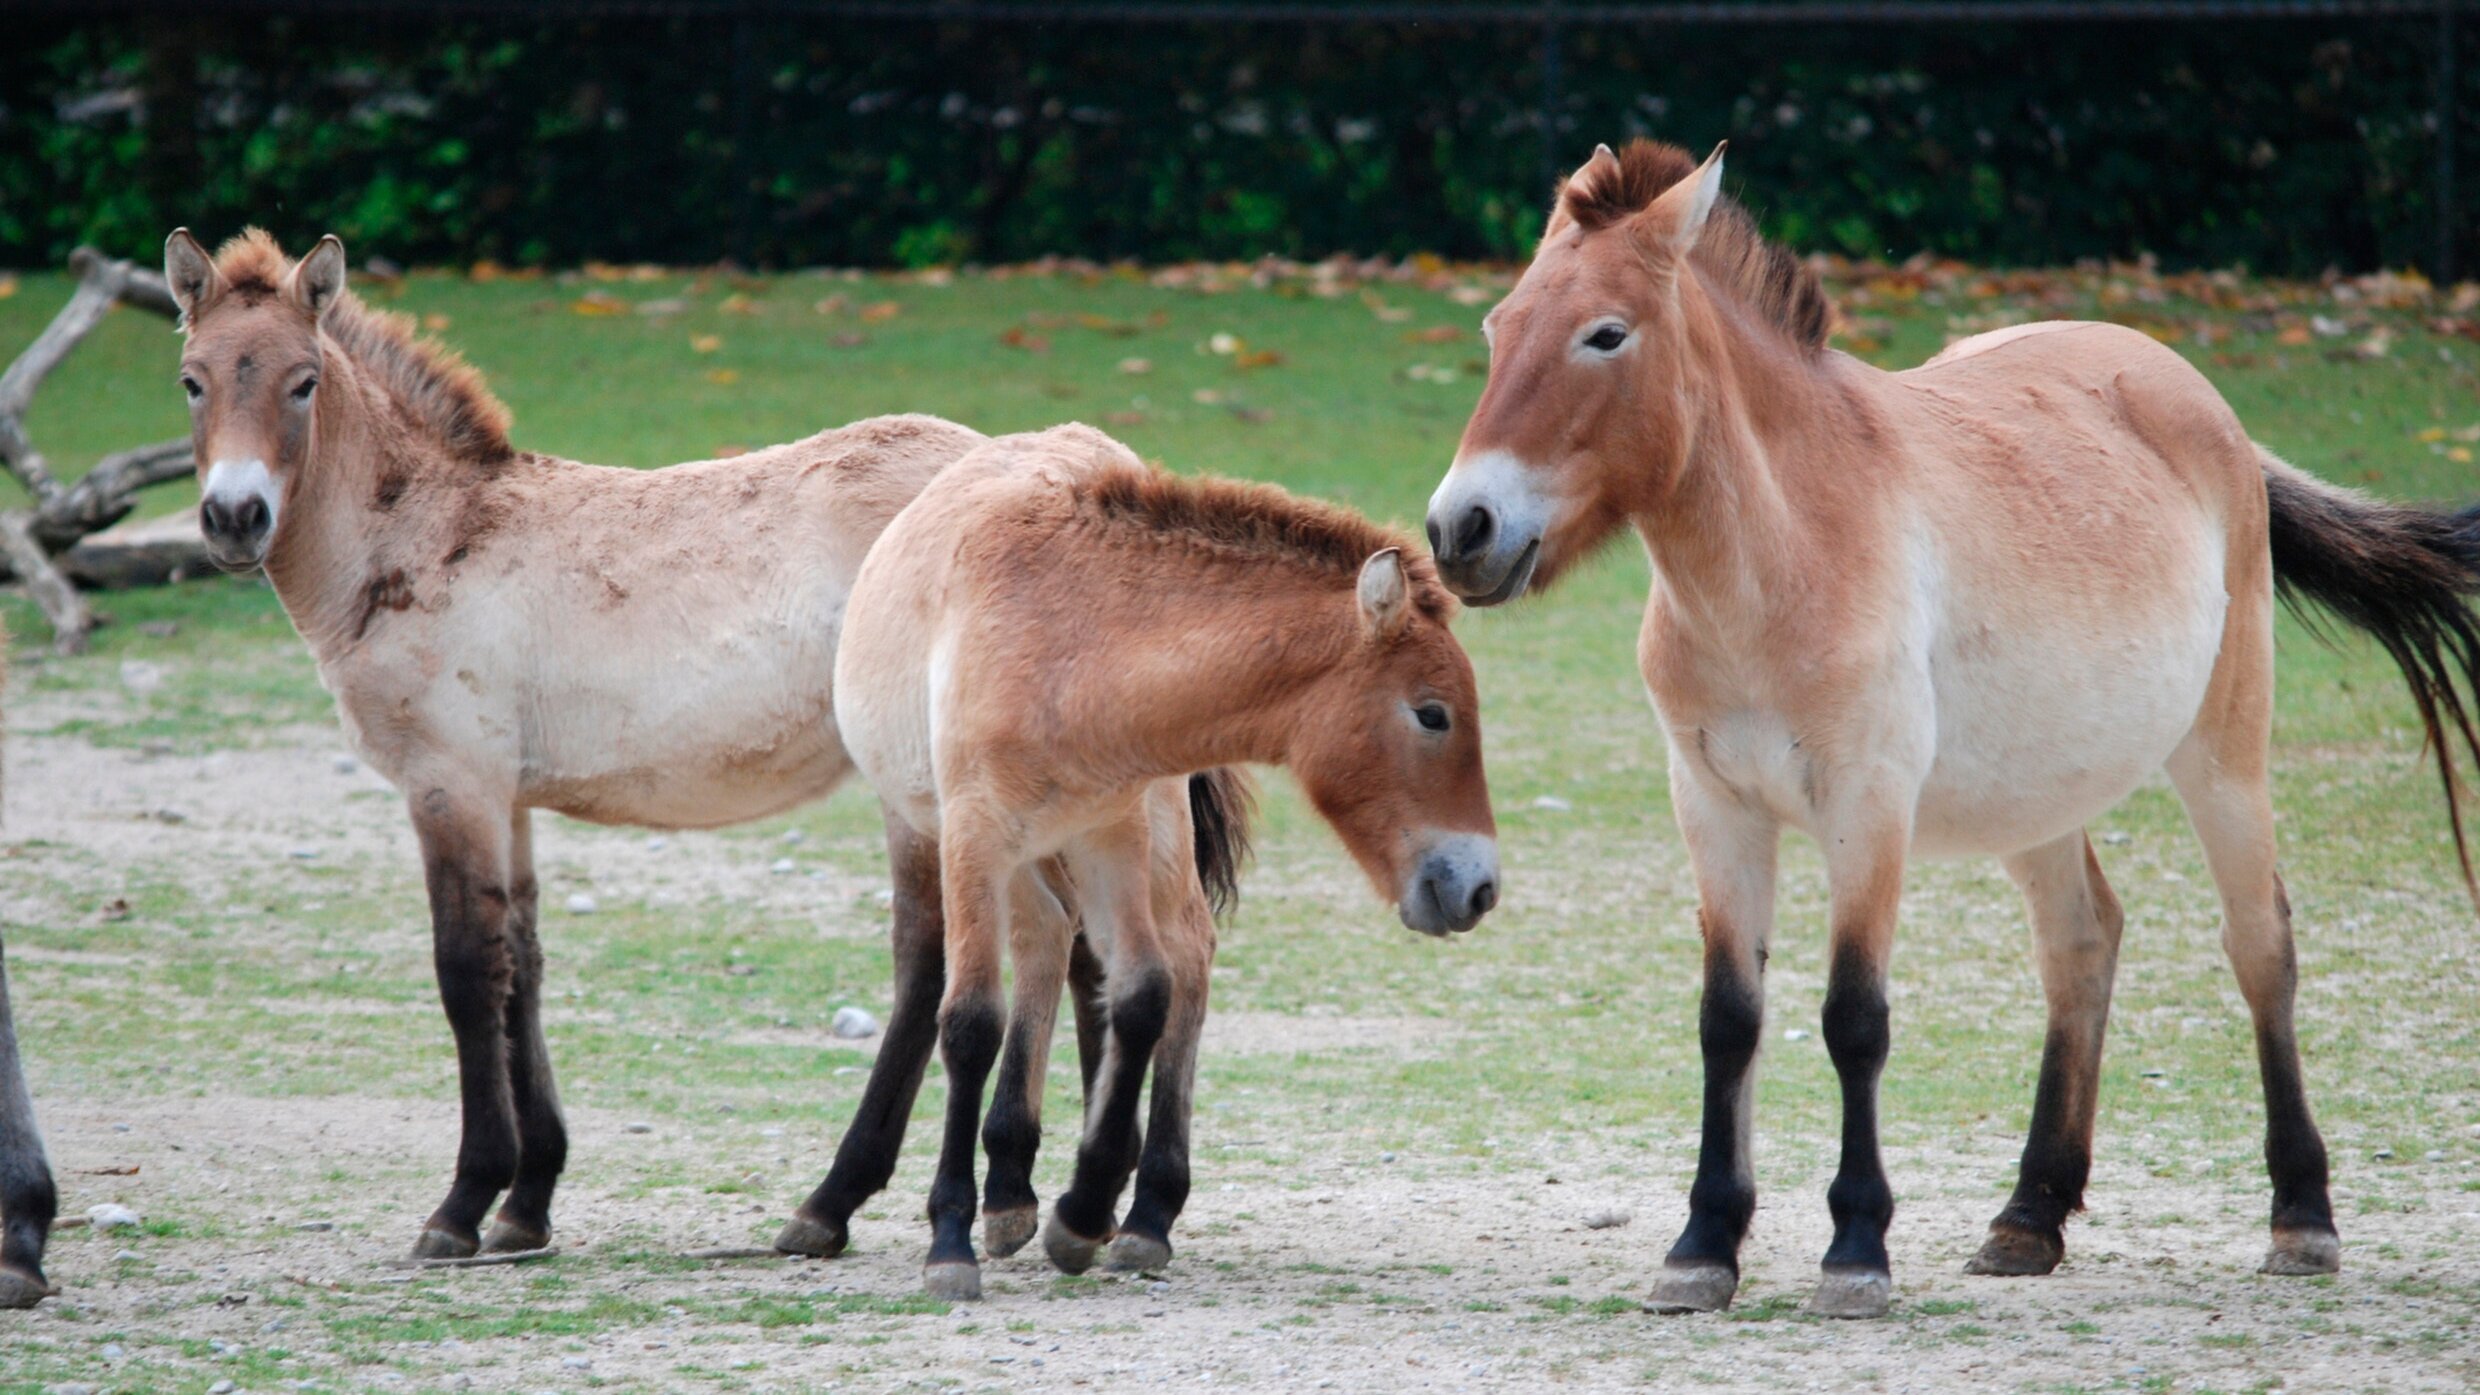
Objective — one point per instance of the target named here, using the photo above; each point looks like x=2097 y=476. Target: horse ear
x=316 y=282
x=1673 y=221
x=1385 y=596
x=191 y=274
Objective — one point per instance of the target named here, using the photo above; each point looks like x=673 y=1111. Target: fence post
x=1549 y=93
x=2446 y=116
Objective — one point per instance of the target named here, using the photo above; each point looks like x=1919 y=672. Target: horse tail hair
x=1220 y=804
x=2407 y=576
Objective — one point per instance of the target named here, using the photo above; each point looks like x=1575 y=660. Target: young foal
x=506 y=631
x=1962 y=609
x=1037 y=650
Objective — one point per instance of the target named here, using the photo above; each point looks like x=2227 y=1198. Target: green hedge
x=2287 y=147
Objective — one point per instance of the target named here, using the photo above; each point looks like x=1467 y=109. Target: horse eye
x=1431 y=716
x=1607 y=339
x=190 y=386
x=308 y=386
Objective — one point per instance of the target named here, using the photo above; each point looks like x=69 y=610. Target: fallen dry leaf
x=1016 y=337
x=8 y=287
x=1136 y=365
x=599 y=303
x=738 y=304
x=705 y=343
x=1256 y=358
x=723 y=377
x=880 y=312
x=1125 y=418
x=835 y=304
x=850 y=339
x=1435 y=334
x=435 y=322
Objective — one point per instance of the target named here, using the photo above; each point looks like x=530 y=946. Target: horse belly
x=2043 y=727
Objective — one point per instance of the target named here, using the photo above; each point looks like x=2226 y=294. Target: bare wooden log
x=108 y=492
x=154 y=553
x=71 y=621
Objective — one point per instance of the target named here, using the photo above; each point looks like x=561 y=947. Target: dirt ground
x=1345 y=1269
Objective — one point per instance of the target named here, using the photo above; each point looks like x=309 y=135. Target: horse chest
x=1755 y=755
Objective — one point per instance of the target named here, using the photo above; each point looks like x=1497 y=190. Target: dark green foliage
x=2285 y=146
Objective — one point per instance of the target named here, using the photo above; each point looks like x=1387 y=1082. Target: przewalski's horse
x=506 y=631
x=1961 y=609
x=28 y=1200
x=1036 y=651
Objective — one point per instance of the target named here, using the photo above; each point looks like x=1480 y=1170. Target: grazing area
x=1419 y=1164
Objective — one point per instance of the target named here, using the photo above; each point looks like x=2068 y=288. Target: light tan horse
x=506 y=631
x=1961 y=609
x=1036 y=652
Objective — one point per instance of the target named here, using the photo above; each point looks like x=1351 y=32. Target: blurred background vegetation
x=683 y=133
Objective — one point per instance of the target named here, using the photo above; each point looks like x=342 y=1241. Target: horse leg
x=2075 y=928
x=1731 y=848
x=1093 y=1011
x=1144 y=1240
x=28 y=1200
x=524 y=1221
x=1111 y=869
x=465 y=850
x=1864 y=879
x=2232 y=811
x=867 y=1156
x=1039 y=935
x=974 y=880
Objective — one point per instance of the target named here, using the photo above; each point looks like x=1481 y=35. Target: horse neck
x=1728 y=528
x=1234 y=687
x=335 y=544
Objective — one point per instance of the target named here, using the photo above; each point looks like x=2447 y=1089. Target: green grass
x=1570 y=1016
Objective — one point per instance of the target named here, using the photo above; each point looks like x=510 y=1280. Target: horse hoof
x=507 y=1238
x=1852 y=1293
x=1692 y=1288
x=2304 y=1252
x=1005 y=1232
x=956 y=1281
x=1071 y=1252
x=2013 y=1253
x=19 y=1289
x=805 y=1235
x=443 y=1244
x=1131 y=1253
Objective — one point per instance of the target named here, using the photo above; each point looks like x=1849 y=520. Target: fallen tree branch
x=64 y=515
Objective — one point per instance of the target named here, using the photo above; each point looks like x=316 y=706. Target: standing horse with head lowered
x=1039 y=651
x=1963 y=609
x=506 y=631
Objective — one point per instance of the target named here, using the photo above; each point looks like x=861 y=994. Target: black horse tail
x=2407 y=576
x=1220 y=804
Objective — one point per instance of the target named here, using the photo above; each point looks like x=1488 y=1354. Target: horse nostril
x=1431 y=528
x=253 y=516
x=1484 y=897
x=1473 y=530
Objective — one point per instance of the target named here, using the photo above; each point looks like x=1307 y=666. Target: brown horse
x=1961 y=609
x=28 y=1200
x=506 y=631
x=1037 y=651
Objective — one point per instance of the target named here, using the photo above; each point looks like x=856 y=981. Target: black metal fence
x=1547 y=30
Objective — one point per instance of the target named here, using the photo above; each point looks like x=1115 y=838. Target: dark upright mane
x=1238 y=516
x=1768 y=278
x=438 y=390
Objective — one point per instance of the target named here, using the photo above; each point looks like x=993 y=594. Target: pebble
x=576 y=1363
x=345 y=765
x=1796 y=1034
x=637 y=1126
x=1553 y=803
x=1386 y=1157
x=580 y=904
x=1609 y=1219
x=70 y=1387
x=2384 y=1155
x=794 y=835
x=780 y=866
x=128 y=1255
x=170 y=816
x=111 y=1215
x=222 y=1387
x=2117 y=839
x=120 y=1128
x=303 y=854
x=2434 y=1155
x=884 y=897
x=274 y=1325
x=853 y=1024
x=139 y=676
x=770 y=1131
x=458 y=1381
x=1158 y=1286
x=114 y=1351
x=316 y=1225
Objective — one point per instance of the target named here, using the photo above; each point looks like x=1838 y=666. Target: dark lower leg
x=28 y=1199
x=1108 y=1152
x=1730 y=1017
x=469 y=932
x=969 y=1031
x=1092 y=1009
x=2294 y=1150
x=867 y=1156
x=1162 y=1169
x=1013 y=1132
x=1856 y=1035
x=542 y=1136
